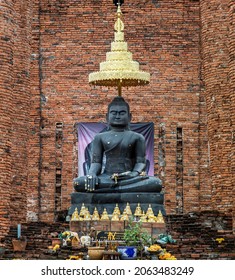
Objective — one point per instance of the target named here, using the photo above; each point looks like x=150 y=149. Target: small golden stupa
x=83 y=210
x=143 y=218
x=75 y=215
x=124 y=216
x=116 y=213
x=152 y=218
x=116 y=210
x=87 y=215
x=115 y=217
x=160 y=218
x=149 y=211
x=128 y=209
x=95 y=215
x=119 y=70
x=104 y=216
x=138 y=211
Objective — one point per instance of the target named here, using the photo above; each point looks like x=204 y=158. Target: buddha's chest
x=118 y=141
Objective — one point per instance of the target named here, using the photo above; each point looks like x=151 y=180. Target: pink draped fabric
x=88 y=130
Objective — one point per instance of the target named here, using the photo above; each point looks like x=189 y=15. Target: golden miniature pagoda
x=143 y=218
x=160 y=218
x=119 y=70
x=95 y=215
x=115 y=217
x=75 y=215
x=87 y=215
x=104 y=216
x=124 y=216
x=138 y=211
x=149 y=211
x=83 y=210
x=128 y=209
x=152 y=218
x=116 y=210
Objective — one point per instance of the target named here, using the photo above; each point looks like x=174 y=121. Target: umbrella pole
x=119 y=89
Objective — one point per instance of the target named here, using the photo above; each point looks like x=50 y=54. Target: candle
x=18 y=231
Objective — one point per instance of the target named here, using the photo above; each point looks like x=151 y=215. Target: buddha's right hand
x=91 y=182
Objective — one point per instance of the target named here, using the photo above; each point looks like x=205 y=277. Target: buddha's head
x=118 y=113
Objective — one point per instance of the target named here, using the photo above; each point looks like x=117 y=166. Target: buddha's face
x=118 y=116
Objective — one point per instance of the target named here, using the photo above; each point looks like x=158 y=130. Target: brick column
x=35 y=122
x=215 y=54
x=232 y=95
x=6 y=83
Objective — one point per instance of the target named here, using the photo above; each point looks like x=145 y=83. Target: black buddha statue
x=117 y=173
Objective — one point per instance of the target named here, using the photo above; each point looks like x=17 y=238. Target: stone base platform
x=101 y=201
x=115 y=226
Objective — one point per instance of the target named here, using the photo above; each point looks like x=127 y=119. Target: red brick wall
x=35 y=120
x=21 y=104
x=232 y=95
x=195 y=236
x=216 y=44
x=164 y=38
x=6 y=110
x=15 y=102
x=54 y=45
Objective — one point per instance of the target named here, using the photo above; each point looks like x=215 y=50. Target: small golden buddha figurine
x=104 y=216
x=143 y=218
x=128 y=209
x=83 y=210
x=138 y=211
x=116 y=210
x=125 y=216
x=160 y=218
x=95 y=216
x=75 y=215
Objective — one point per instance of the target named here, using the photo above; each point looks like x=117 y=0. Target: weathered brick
x=48 y=48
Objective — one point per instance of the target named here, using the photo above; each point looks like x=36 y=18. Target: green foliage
x=135 y=236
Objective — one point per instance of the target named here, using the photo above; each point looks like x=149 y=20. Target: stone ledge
x=152 y=228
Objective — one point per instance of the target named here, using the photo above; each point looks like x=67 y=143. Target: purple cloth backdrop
x=88 y=130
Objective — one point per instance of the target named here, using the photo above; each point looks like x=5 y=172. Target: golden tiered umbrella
x=119 y=70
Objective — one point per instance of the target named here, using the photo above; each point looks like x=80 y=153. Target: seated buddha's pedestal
x=109 y=201
x=154 y=229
